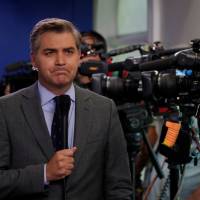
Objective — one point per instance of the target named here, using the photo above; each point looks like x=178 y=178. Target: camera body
x=156 y=81
x=177 y=86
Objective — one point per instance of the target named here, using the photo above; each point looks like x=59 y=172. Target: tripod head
x=135 y=119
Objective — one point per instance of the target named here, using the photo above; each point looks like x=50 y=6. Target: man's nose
x=60 y=59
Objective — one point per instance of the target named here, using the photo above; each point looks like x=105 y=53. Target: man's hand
x=61 y=164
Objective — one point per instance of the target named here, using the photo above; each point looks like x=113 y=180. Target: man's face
x=57 y=60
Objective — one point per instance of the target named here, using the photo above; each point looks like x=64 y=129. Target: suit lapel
x=35 y=118
x=82 y=121
x=83 y=124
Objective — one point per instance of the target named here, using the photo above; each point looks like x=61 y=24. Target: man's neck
x=57 y=90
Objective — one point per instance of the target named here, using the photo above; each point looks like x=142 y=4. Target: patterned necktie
x=59 y=128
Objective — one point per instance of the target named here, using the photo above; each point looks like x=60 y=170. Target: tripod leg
x=174 y=178
x=132 y=166
x=152 y=156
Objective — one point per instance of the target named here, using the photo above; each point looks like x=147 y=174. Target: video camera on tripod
x=169 y=79
x=159 y=77
x=154 y=76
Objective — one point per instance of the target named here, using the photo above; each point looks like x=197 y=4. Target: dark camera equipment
x=126 y=49
x=97 y=37
x=154 y=79
x=135 y=120
x=18 y=75
x=175 y=140
x=165 y=87
x=92 y=50
x=159 y=77
x=148 y=52
x=120 y=89
x=90 y=67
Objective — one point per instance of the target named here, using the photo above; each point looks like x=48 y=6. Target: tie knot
x=63 y=103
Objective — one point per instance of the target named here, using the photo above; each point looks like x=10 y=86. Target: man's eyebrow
x=50 y=49
x=54 y=49
x=70 y=48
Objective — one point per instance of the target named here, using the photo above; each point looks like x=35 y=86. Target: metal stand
x=135 y=120
x=132 y=166
x=133 y=152
x=174 y=180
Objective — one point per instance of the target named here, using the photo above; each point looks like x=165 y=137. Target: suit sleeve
x=16 y=182
x=118 y=178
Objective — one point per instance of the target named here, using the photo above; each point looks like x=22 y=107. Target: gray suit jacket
x=101 y=163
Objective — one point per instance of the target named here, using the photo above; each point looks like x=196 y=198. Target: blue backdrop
x=17 y=18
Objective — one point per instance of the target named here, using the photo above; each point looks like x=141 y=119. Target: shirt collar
x=46 y=96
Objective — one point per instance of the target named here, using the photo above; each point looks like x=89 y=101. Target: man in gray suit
x=96 y=162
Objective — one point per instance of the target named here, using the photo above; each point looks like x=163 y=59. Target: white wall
x=107 y=21
x=105 y=17
x=175 y=22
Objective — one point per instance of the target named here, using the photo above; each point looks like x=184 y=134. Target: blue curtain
x=18 y=17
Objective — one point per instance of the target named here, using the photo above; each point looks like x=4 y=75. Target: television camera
x=159 y=77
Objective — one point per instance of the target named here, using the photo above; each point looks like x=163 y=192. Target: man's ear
x=32 y=56
x=33 y=62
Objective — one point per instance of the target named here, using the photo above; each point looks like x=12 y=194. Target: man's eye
x=48 y=53
x=69 y=51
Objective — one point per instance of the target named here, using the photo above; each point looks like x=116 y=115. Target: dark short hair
x=52 y=25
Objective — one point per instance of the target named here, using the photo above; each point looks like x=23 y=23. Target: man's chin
x=63 y=84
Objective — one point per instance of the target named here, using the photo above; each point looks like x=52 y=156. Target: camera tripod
x=180 y=154
x=135 y=121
